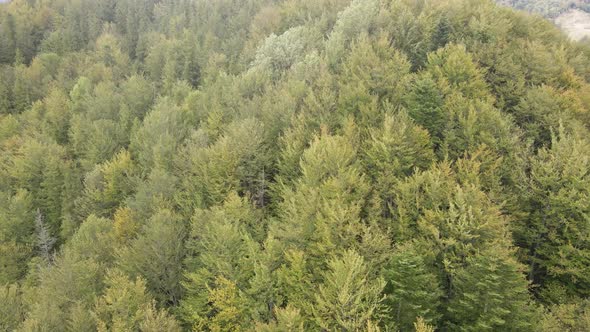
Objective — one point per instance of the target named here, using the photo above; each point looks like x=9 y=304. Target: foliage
x=293 y=165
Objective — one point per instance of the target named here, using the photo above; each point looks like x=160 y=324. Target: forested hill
x=294 y=165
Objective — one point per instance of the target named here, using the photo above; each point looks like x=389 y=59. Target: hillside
x=292 y=165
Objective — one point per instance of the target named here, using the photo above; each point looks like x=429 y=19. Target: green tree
x=490 y=294
x=287 y=320
x=393 y=151
x=221 y=250
x=13 y=310
x=424 y=102
x=349 y=298
x=413 y=290
x=156 y=255
x=126 y=306
x=553 y=233
x=16 y=235
x=65 y=290
x=106 y=186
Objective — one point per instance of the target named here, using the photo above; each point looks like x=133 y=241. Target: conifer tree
x=13 y=310
x=490 y=294
x=220 y=248
x=45 y=240
x=394 y=151
x=348 y=299
x=413 y=291
x=554 y=230
x=126 y=306
x=156 y=255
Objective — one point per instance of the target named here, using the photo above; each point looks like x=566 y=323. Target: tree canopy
x=292 y=165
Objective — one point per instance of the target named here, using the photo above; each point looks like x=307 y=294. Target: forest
x=292 y=165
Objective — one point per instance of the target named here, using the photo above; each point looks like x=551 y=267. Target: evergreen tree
x=13 y=310
x=490 y=294
x=394 y=151
x=156 y=255
x=125 y=305
x=220 y=255
x=554 y=230
x=348 y=299
x=413 y=291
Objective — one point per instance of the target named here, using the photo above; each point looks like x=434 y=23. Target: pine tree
x=421 y=326
x=17 y=235
x=228 y=308
x=20 y=91
x=424 y=103
x=7 y=38
x=294 y=283
x=323 y=214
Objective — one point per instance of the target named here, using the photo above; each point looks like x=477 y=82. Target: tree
x=13 y=310
x=155 y=142
x=421 y=326
x=107 y=186
x=348 y=299
x=58 y=114
x=295 y=283
x=125 y=305
x=383 y=70
x=45 y=240
x=424 y=102
x=278 y=53
x=490 y=294
x=287 y=320
x=17 y=240
x=227 y=308
x=62 y=293
x=354 y=20
x=413 y=291
x=453 y=67
x=20 y=91
x=393 y=151
x=221 y=254
x=7 y=38
x=322 y=214
x=553 y=233
x=234 y=162
x=566 y=317
x=156 y=255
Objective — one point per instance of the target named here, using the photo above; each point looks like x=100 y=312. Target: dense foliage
x=292 y=165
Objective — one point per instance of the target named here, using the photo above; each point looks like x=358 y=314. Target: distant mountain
x=547 y=8
x=572 y=16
